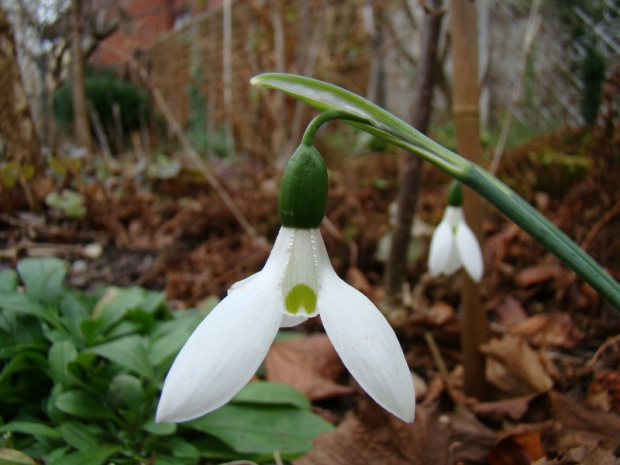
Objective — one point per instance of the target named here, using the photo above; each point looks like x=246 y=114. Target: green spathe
x=455 y=194
x=300 y=296
x=303 y=191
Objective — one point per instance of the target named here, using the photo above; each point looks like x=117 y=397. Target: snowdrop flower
x=296 y=283
x=454 y=245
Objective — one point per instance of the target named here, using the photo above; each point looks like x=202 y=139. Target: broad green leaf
x=128 y=352
x=168 y=337
x=27 y=304
x=15 y=457
x=181 y=449
x=82 y=405
x=125 y=391
x=95 y=456
x=8 y=282
x=264 y=392
x=212 y=448
x=32 y=428
x=78 y=435
x=74 y=308
x=258 y=429
x=59 y=356
x=43 y=277
x=160 y=429
x=115 y=303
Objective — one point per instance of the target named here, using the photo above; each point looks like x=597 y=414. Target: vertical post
x=466 y=111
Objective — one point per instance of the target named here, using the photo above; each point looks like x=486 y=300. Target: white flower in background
x=297 y=283
x=454 y=245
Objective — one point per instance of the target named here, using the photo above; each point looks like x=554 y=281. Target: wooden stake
x=466 y=111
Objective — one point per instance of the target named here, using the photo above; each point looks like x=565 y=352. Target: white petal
x=367 y=346
x=469 y=252
x=223 y=353
x=239 y=284
x=442 y=256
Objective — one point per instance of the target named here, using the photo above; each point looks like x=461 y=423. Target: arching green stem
x=323 y=118
x=375 y=120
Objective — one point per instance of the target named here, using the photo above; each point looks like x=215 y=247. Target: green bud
x=455 y=194
x=303 y=191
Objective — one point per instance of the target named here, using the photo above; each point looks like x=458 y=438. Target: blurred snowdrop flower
x=454 y=244
x=296 y=283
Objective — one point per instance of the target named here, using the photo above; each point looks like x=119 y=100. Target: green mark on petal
x=301 y=296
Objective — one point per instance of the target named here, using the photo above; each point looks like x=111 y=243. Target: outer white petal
x=469 y=252
x=224 y=352
x=442 y=256
x=239 y=284
x=367 y=346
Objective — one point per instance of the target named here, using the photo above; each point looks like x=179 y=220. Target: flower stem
x=541 y=229
x=323 y=118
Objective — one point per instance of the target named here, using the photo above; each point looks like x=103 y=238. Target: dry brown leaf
x=310 y=364
x=470 y=440
x=518 y=358
x=517 y=449
x=392 y=442
x=580 y=426
x=510 y=312
x=501 y=410
x=549 y=330
x=604 y=391
x=538 y=274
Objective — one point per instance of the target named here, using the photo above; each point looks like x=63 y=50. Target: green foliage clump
x=103 y=91
x=80 y=377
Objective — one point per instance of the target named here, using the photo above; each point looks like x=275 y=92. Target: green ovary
x=301 y=296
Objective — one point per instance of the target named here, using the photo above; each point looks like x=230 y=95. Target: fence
x=201 y=72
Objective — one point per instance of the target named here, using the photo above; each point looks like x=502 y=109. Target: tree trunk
x=81 y=122
x=410 y=177
x=466 y=111
x=19 y=140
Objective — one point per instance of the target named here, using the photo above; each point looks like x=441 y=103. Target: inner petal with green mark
x=300 y=297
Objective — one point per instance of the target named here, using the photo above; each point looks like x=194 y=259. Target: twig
x=599 y=224
x=189 y=151
x=436 y=354
x=608 y=343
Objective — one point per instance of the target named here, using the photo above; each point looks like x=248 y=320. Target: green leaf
x=95 y=456
x=26 y=304
x=15 y=457
x=27 y=427
x=181 y=449
x=115 y=303
x=78 y=435
x=75 y=309
x=59 y=356
x=160 y=429
x=168 y=337
x=43 y=277
x=8 y=282
x=82 y=405
x=128 y=352
x=377 y=121
x=256 y=429
x=264 y=392
x=125 y=391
